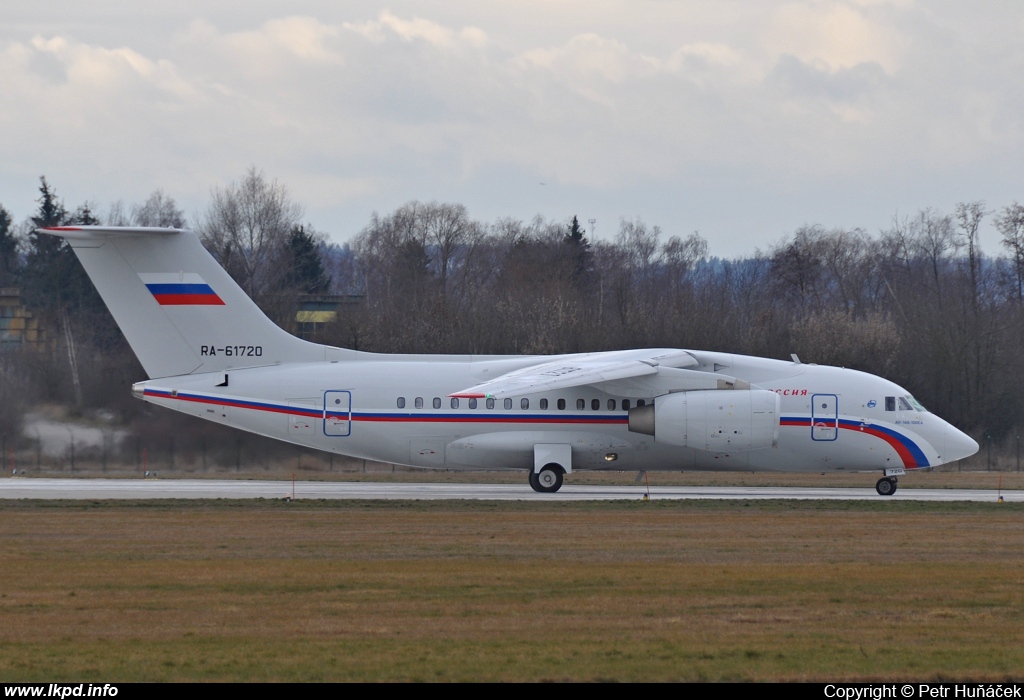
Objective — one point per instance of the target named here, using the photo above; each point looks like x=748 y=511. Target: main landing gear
x=886 y=486
x=548 y=479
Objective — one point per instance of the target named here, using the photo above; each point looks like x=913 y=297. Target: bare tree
x=447 y=229
x=685 y=253
x=396 y=266
x=843 y=254
x=640 y=243
x=1010 y=224
x=968 y=219
x=158 y=210
x=117 y=215
x=836 y=338
x=935 y=241
x=798 y=265
x=246 y=228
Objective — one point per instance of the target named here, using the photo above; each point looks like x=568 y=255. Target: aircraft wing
x=577 y=371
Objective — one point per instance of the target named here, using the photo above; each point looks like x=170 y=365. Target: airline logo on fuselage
x=180 y=289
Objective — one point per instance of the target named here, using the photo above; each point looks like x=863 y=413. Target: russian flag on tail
x=180 y=289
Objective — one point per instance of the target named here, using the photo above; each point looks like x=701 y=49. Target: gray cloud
x=844 y=85
x=743 y=120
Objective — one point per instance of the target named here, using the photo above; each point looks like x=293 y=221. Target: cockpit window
x=905 y=405
x=916 y=404
x=890 y=403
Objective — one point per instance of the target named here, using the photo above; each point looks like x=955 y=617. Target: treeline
x=84 y=363
x=919 y=303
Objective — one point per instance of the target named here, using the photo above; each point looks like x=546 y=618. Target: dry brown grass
x=517 y=591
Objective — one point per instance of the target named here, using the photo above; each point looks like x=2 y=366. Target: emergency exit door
x=337 y=413
x=824 y=417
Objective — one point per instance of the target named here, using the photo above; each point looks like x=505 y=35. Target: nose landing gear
x=886 y=486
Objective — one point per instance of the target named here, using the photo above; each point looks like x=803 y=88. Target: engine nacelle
x=716 y=421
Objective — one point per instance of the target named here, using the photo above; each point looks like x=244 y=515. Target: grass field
x=682 y=590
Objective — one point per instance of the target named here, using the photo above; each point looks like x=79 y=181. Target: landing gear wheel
x=886 y=486
x=548 y=479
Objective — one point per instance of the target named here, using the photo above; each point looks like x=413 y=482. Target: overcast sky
x=741 y=120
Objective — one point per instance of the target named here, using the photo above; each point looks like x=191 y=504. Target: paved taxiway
x=100 y=489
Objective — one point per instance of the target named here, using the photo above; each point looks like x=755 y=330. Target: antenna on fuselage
x=796 y=360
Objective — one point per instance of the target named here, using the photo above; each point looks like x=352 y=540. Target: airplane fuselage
x=397 y=409
x=210 y=351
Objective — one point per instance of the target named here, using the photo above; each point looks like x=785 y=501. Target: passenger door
x=824 y=417
x=337 y=413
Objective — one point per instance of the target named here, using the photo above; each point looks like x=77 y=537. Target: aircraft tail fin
x=179 y=309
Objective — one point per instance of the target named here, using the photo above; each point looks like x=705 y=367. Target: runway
x=110 y=489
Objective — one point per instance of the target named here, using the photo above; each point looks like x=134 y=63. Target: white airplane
x=210 y=352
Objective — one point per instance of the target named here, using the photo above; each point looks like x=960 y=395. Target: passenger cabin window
x=611 y=404
x=625 y=404
x=543 y=404
x=490 y=403
x=455 y=403
x=419 y=402
x=580 y=404
x=641 y=402
x=437 y=402
x=595 y=405
x=561 y=404
x=472 y=403
x=890 y=403
x=524 y=404
x=401 y=402
x=508 y=404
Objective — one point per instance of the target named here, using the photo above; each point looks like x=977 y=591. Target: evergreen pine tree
x=9 y=262
x=307 y=274
x=576 y=239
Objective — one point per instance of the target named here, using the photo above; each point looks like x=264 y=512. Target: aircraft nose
x=959 y=445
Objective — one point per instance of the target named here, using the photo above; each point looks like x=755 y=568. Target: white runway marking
x=103 y=489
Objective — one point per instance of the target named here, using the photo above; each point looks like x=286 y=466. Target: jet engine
x=714 y=420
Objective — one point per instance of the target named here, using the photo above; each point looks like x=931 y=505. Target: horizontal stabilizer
x=100 y=232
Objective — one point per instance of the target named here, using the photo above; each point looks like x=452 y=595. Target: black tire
x=534 y=484
x=548 y=479
x=886 y=486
